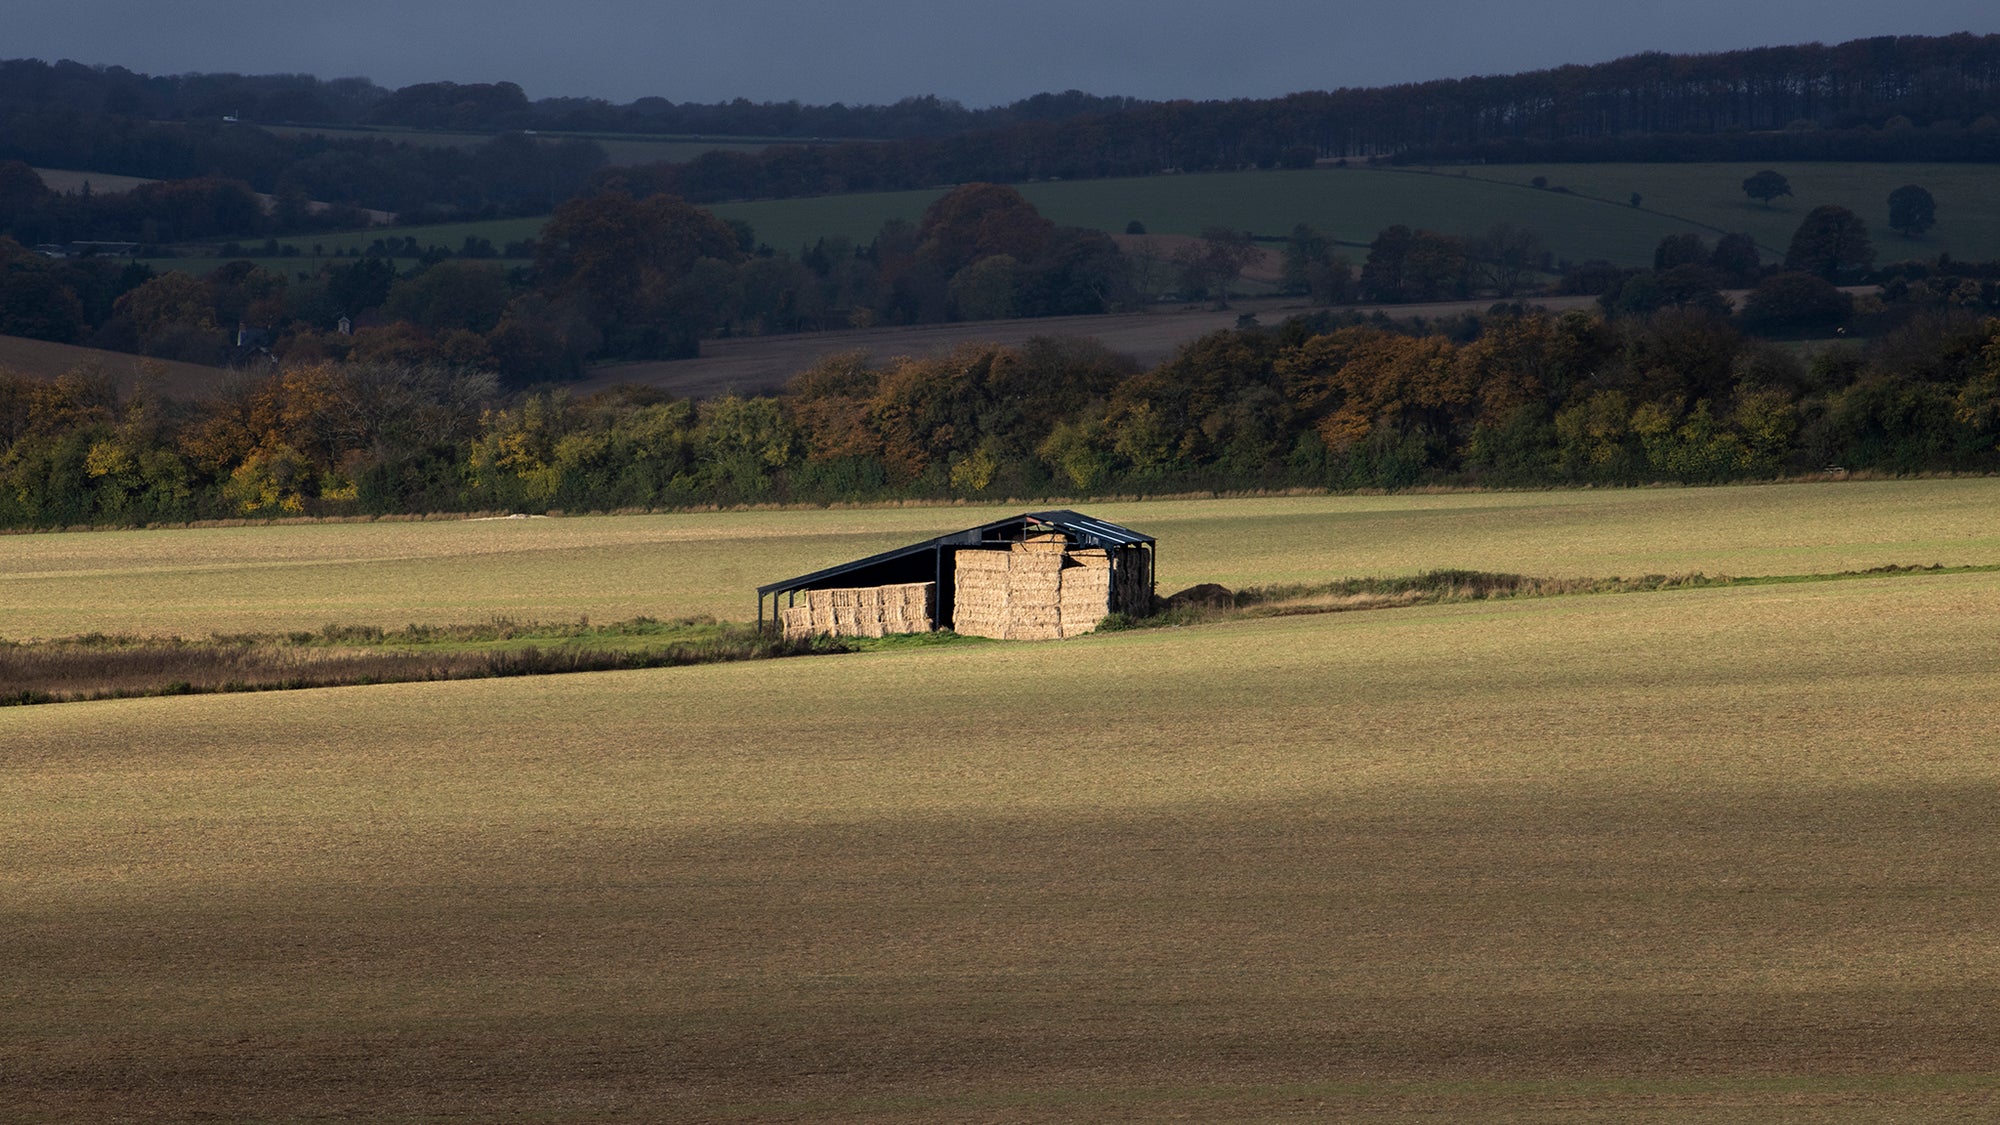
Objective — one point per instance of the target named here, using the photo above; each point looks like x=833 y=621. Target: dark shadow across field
x=1543 y=950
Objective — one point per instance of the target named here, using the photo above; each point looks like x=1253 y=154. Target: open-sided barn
x=1035 y=576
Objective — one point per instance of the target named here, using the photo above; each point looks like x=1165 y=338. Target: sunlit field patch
x=1715 y=854
x=279 y=578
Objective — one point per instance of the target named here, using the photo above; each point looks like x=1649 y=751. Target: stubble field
x=1717 y=854
x=303 y=576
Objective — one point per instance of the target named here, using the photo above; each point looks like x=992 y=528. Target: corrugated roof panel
x=1094 y=532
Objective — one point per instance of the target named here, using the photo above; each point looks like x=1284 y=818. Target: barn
x=1035 y=576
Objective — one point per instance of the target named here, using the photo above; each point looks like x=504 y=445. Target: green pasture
x=277 y=578
x=1968 y=199
x=1351 y=205
x=1594 y=219
x=1707 y=855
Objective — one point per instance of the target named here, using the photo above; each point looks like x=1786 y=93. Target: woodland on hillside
x=1516 y=398
x=370 y=388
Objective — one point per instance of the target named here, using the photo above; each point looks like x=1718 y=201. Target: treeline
x=496 y=106
x=1517 y=399
x=1907 y=98
x=510 y=175
x=618 y=277
x=611 y=277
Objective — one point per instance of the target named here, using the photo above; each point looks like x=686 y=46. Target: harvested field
x=47 y=360
x=285 y=577
x=761 y=364
x=1708 y=855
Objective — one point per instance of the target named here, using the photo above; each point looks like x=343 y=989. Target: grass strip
x=1442 y=586
x=100 y=666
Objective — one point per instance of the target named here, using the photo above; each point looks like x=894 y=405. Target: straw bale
x=1034 y=562
x=975 y=559
x=819 y=599
x=1034 y=633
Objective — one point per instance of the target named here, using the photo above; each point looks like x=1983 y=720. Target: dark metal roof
x=1081 y=529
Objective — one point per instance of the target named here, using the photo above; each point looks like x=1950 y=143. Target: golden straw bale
x=974 y=559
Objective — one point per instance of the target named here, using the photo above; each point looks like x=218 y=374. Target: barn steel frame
x=932 y=560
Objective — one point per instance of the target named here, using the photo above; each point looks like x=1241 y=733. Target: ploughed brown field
x=760 y=364
x=47 y=360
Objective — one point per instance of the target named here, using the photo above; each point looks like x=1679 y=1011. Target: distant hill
x=1909 y=98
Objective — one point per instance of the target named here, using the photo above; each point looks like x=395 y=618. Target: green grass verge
x=97 y=667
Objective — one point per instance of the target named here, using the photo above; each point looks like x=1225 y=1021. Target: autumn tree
x=628 y=262
x=173 y=316
x=1387 y=399
x=976 y=221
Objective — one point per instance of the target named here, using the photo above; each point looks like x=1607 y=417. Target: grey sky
x=980 y=53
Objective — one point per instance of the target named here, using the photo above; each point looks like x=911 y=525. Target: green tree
x=1210 y=265
x=1831 y=242
x=465 y=295
x=988 y=289
x=1505 y=255
x=1735 y=258
x=1766 y=186
x=35 y=303
x=1796 y=300
x=1680 y=250
x=1911 y=210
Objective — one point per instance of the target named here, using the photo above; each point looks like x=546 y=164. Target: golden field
x=1721 y=854
x=303 y=576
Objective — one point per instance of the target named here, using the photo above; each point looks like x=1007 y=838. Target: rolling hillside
x=1592 y=219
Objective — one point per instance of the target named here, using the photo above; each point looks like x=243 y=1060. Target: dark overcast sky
x=980 y=53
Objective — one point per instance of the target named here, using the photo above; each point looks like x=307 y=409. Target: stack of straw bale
x=1086 y=591
x=979 y=593
x=867 y=611
x=1039 y=590
x=1034 y=591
